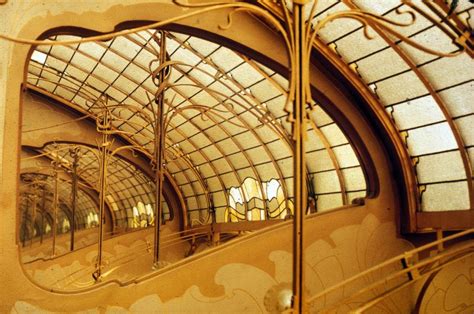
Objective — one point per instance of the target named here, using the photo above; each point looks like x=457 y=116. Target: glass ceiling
x=429 y=99
x=225 y=111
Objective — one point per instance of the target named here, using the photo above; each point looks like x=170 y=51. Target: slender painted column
x=299 y=131
x=159 y=152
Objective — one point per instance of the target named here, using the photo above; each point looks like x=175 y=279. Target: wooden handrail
x=388 y=262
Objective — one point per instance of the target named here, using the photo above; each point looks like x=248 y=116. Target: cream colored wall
x=227 y=278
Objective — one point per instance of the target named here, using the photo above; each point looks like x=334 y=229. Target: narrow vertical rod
x=55 y=208
x=300 y=188
x=159 y=152
x=73 y=197
x=33 y=218
x=43 y=211
x=103 y=151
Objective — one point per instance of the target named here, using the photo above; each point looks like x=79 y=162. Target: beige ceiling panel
x=83 y=62
x=279 y=149
x=125 y=85
x=444 y=197
x=326 y=182
x=286 y=167
x=96 y=83
x=334 y=135
x=230 y=180
x=75 y=74
x=354 y=179
x=56 y=64
x=64 y=93
x=346 y=156
x=319 y=161
x=136 y=73
x=433 y=38
x=207 y=171
x=417 y=112
x=314 y=142
x=320 y=117
x=204 y=47
x=238 y=160
x=459 y=99
x=264 y=90
x=212 y=152
x=248 y=140
x=62 y=52
x=228 y=146
x=218 y=190
x=377 y=7
x=265 y=134
x=219 y=199
x=356 y=45
x=46 y=85
x=92 y=49
x=187 y=57
x=327 y=202
x=124 y=45
x=430 y=139
x=258 y=155
x=449 y=71
x=381 y=65
x=216 y=133
x=246 y=75
x=466 y=127
x=267 y=172
x=197 y=158
x=289 y=185
x=245 y=173
x=400 y=88
x=203 y=98
x=172 y=167
x=226 y=59
x=144 y=58
x=222 y=165
x=117 y=95
x=433 y=168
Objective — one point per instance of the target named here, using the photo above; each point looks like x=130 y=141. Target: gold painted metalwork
x=299 y=35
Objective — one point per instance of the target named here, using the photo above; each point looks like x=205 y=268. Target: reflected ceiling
x=225 y=111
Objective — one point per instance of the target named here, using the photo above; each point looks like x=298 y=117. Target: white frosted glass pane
x=326 y=202
x=246 y=75
x=326 y=182
x=381 y=65
x=62 y=52
x=226 y=59
x=334 y=135
x=449 y=71
x=459 y=99
x=264 y=90
x=354 y=179
x=203 y=46
x=430 y=139
x=466 y=127
x=314 y=141
x=447 y=196
x=356 y=45
x=399 y=88
x=258 y=155
x=320 y=117
x=434 y=38
x=319 y=161
x=417 y=112
x=440 y=167
x=279 y=149
x=345 y=156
